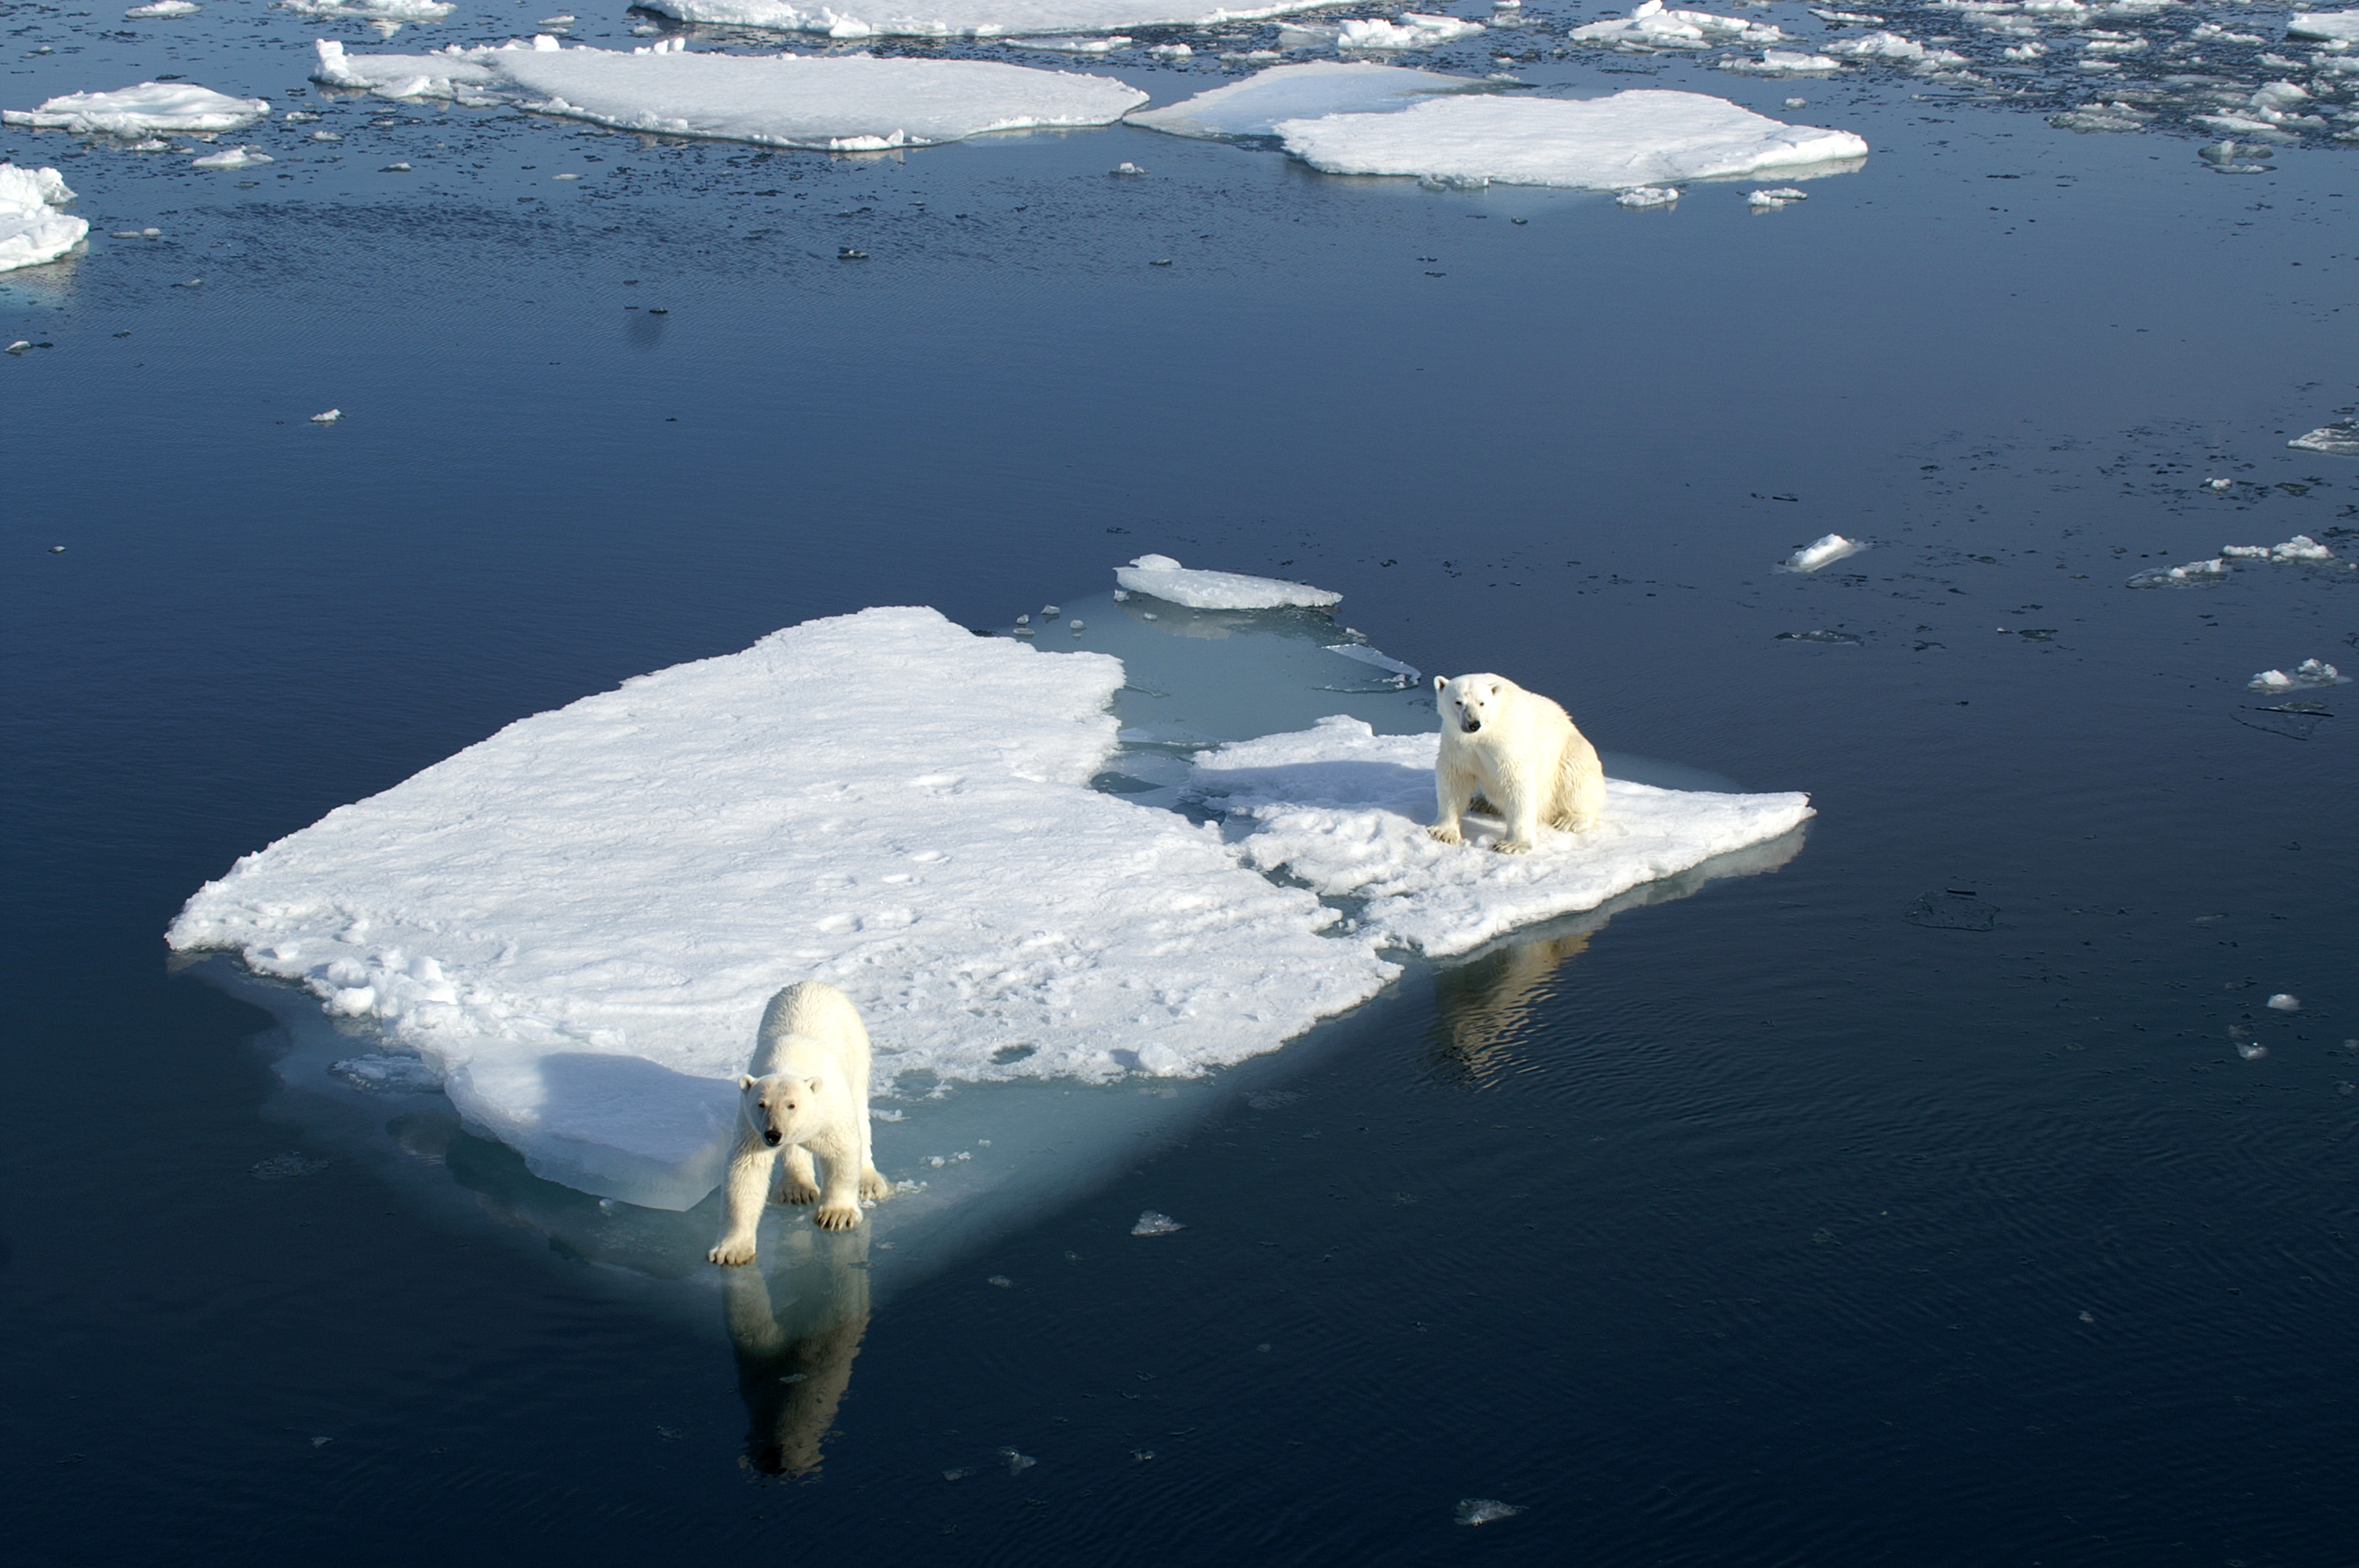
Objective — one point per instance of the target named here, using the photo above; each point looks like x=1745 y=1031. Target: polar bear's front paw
x=801 y=1194
x=1445 y=833
x=1513 y=847
x=837 y=1219
x=874 y=1187
x=732 y=1251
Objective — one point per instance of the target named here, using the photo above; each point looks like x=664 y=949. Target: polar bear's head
x=783 y=1107
x=1467 y=702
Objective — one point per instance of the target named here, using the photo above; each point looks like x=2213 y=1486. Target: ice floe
x=1652 y=26
x=396 y=11
x=1647 y=196
x=1828 y=548
x=829 y=103
x=578 y=920
x=32 y=229
x=1255 y=106
x=232 y=157
x=1344 y=809
x=2309 y=672
x=1783 y=62
x=2192 y=575
x=973 y=18
x=1893 y=48
x=2300 y=548
x=1412 y=31
x=1770 y=201
x=162 y=10
x=140 y=111
x=1637 y=137
x=2339 y=440
x=2343 y=24
x=1166 y=579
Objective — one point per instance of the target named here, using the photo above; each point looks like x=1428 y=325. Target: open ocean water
x=1949 y=1194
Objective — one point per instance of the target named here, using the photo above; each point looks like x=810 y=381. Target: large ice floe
x=1255 y=106
x=1639 y=137
x=973 y=18
x=143 y=111
x=1000 y=852
x=32 y=229
x=827 y=102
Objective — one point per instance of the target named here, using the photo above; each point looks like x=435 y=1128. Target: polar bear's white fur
x=808 y=1094
x=1518 y=755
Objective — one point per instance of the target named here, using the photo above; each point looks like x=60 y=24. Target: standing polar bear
x=1516 y=752
x=808 y=1094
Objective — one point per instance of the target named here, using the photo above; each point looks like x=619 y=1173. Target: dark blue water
x=1762 y=1226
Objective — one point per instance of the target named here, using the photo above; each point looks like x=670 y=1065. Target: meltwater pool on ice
x=1059 y=902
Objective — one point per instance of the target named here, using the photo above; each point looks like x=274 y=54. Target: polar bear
x=1517 y=754
x=808 y=1094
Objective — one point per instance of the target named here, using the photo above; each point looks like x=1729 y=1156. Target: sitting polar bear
x=807 y=1095
x=1515 y=752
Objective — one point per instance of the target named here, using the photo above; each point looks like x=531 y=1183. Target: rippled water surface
x=1945 y=1192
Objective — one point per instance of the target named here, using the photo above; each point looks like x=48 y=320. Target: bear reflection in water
x=796 y=1323
x=1483 y=1008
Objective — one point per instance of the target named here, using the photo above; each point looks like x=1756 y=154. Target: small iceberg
x=141 y=111
x=1824 y=551
x=32 y=229
x=1150 y=1223
x=1255 y=106
x=1642 y=136
x=1166 y=579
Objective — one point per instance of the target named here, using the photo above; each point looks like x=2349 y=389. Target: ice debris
x=1255 y=106
x=1640 y=136
x=1343 y=810
x=32 y=229
x=972 y=19
x=1653 y=27
x=395 y=11
x=2188 y=575
x=1150 y=1223
x=828 y=102
x=2285 y=1001
x=1893 y=48
x=1783 y=196
x=2300 y=548
x=2340 y=439
x=1828 y=548
x=1413 y=31
x=1486 y=1510
x=140 y=111
x=162 y=10
x=329 y=417
x=232 y=157
x=2309 y=672
x=1782 y=62
x=389 y=1073
x=2251 y=1049
x=1166 y=579
x=1647 y=196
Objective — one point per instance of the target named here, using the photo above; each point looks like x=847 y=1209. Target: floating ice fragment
x=1050 y=613
x=395 y=11
x=1166 y=579
x=2340 y=439
x=1859 y=17
x=1783 y=62
x=2087 y=1316
x=329 y=417
x=1893 y=48
x=162 y=10
x=1405 y=675
x=389 y=1073
x=2218 y=486
x=2251 y=1049
x=1828 y=548
x=1072 y=45
x=1413 y=31
x=326 y=136
x=2332 y=25
x=1170 y=51
x=32 y=229
x=1255 y=106
x=2100 y=117
x=1798 y=102
x=1002 y=1281
x=1017 y=1463
x=395 y=168
x=1126 y=167
x=844 y=20
x=1652 y=26
x=1641 y=136
x=1486 y=1510
x=2285 y=1001
x=2309 y=672
x=1153 y=1224
x=2300 y=548
x=1818 y=636
x=1783 y=196
x=959 y=1475
x=140 y=111
x=2188 y=575
x=233 y=157
x=1647 y=196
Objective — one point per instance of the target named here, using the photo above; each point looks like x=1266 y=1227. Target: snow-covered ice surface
x=1255 y=106
x=828 y=102
x=1828 y=548
x=1344 y=810
x=972 y=19
x=1643 y=136
x=32 y=229
x=2341 y=24
x=140 y=111
x=1166 y=579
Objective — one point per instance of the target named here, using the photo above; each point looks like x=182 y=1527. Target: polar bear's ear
x=746 y=1081
x=814 y=1084
x=1440 y=681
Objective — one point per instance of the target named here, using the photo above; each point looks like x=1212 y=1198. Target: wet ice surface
x=1615 y=1175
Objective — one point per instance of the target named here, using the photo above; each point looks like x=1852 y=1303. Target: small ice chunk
x=2309 y=672
x=1824 y=551
x=329 y=417
x=2218 y=486
x=1150 y=1223
x=1647 y=196
x=32 y=229
x=326 y=136
x=2193 y=573
x=2340 y=439
x=1166 y=579
x=1486 y=1510
x=1413 y=31
x=235 y=157
x=1859 y=18
x=1070 y=46
x=2300 y=548
x=1783 y=196
x=1408 y=674
x=1782 y=62
x=370 y=10
x=1017 y=1463
x=1255 y=106
x=1126 y=167
x=162 y=10
x=1892 y=46
x=143 y=110
x=1653 y=27
x=2251 y=1049
x=2285 y=1001
x=847 y=19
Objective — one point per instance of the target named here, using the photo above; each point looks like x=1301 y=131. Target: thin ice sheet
x=1254 y=107
x=972 y=19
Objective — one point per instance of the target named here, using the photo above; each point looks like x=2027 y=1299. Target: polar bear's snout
x=1469 y=723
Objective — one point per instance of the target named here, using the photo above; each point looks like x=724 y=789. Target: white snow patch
x=1642 y=136
x=2309 y=672
x=140 y=111
x=972 y=19
x=32 y=229
x=1344 y=809
x=1825 y=551
x=1255 y=106
x=1166 y=579
x=579 y=920
x=1652 y=26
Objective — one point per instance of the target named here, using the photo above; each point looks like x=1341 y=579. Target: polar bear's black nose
x=1472 y=725
x=770 y=1137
